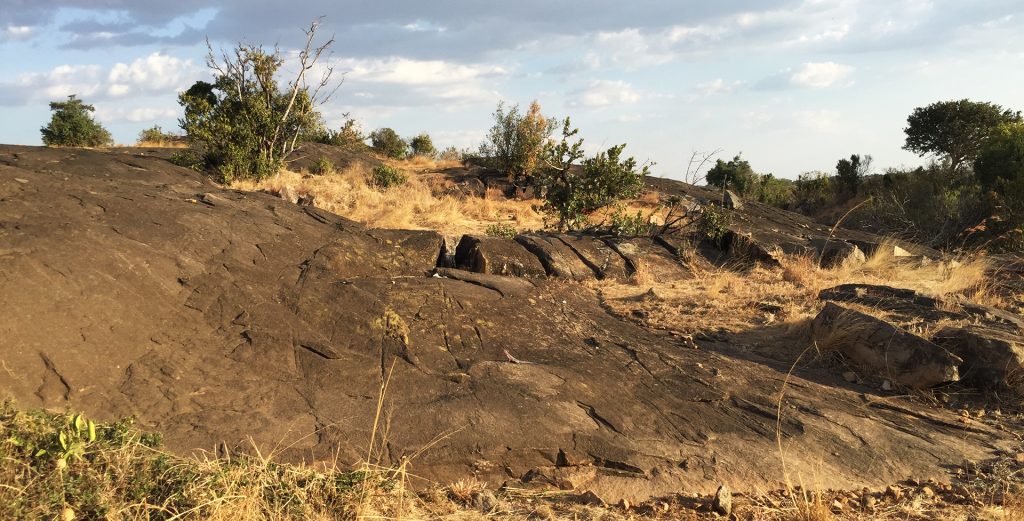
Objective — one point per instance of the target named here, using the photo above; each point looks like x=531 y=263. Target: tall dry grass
x=414 y=205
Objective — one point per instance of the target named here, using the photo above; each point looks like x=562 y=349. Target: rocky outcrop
x=883 y=349
x=557 y=257
x=497 y=256
x=992 y=359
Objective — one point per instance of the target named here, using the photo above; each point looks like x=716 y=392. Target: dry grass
x=161 y=144
x=414 y=205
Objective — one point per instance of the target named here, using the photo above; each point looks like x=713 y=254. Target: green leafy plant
x=735 y=174
x=573 y=192
x=384 y=177
x=626 y=224
x=516 y=142
x=422 y=145
x=350 y=135
x=388 y=143
x=713 y=223
x=503 y=230
x=188 y=159
x=323 y=166
x=76 y=437
x=245 y=124
x=954 y=130
x=157 y=136
x=72 y=125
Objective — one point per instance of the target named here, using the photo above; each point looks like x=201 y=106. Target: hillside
x=631 y=368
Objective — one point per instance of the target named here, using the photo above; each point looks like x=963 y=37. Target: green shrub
x=156 y=136
x=517 y=141
x=188 y=159
x=629 y=225
x=504 y=230
x=387 y=142
x=777 y=192
x=422 y=145
x=323 y=166
x=244 y=124
x=384 y=177
x=349 y=135
x=573 y=192
x=72 y=125
x=735 y=175
x=713 y=223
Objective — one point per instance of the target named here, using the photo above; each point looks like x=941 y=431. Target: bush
x=422 y=145
x=517 y=141
x=573 y=192
x=72 y=125
x=243 y=123
x=813 y=192
x=713 y=223
x=503 y=230
x=387 y=142
x=736 y=175
x=188 y=159
x=625 y=224
x=450 y=154
x=777 y=192
x=350 y=135
x=156 y=136
x=323 y=166
x=384 y=177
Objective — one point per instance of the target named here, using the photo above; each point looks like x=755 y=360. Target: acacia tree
x=572 y=192
x=955 y=130
x=245 y=124
x=72 y=125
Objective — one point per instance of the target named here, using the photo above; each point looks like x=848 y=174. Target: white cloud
x=404 y=71
x=17 y=32
x=818 y=120
x=153 y=74
x=818 y=75
x=134 y=115
x=601 y=93
x=718 y=86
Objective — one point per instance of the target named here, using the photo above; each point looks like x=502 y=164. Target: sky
x=791 y=85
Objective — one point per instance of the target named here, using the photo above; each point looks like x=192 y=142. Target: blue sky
x=793 y=85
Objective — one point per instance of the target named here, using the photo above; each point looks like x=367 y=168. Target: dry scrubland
x=118 y=472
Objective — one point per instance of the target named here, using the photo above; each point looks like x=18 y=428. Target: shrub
x=188 y=159
x=625 y=224
x=517 y=141
x=422 y=145
x=72 y=125
x=384 y=177
x=777 y=192
x=813 y=192
x=387 y=142
x=450 y=154
x=736 y=175
x=504 y=230
x=573 y=192
x=850 y=172
x=323 y=166
x=713 y=223
x=350 y=135
x=244 y=123
x=156 y=136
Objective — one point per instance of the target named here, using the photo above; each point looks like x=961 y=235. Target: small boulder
x=732 y=201
x=991 y=357
x=722 y=503
x=884 y=349
x=833 y=252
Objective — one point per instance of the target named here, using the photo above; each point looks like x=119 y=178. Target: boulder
x=605 y=262
x=496 y=256
x=646 y=256
x=883 y=349
x=558 y=258
x=833 y=252
x=993 y=359
x=507 y=286
x=732 y=201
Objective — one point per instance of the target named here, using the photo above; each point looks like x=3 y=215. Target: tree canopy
x=72 y=125
x=1001 y=160
x=735 y=174
x=954 y=130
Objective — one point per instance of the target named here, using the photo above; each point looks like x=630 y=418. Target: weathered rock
x=306 y=200
x=722 y=502
x=604 y=261
x=558 y=259
x=647 y=257
x=834 y=252
x=993 y=359
x=732 y=201
x=497 y=256
x=485 y=501
x=507 y=286
x=884 y=349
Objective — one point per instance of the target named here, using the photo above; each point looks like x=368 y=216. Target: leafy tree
x=156 y=135
x=735 y=175
x=422 y=145
x=850 y=172
x=516 y=142
x=244 y=124
x=72 y=125
x=955 y=130
x=1002 y=158
x=349 y=135
x=387 y=142
x=572 y=192
x=774 y=191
